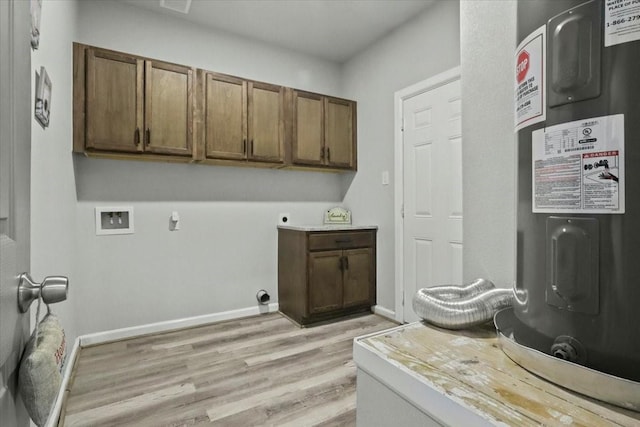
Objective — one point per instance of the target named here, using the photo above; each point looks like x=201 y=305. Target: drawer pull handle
x=345 y=240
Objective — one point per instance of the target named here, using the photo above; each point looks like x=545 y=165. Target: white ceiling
x=334 y=30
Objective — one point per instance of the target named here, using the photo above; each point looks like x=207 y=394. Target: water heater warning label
x=621 y=21
x=530 y=82
x=578 y=167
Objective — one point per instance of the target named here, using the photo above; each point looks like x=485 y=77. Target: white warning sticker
x=530 y=80
x=621 y=21
x=578 y=167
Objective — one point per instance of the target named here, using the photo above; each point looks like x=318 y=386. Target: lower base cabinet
x=325 y=274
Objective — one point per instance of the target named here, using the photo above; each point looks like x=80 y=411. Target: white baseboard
x=152 y=328
x=66 y=377
x=384 y=312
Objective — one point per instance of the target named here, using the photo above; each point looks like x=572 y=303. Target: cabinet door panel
x=357 y=276
x=266 y=126
x=308 y=128
x=339 y=132
x=226 y=117
x=168 y=108
x=114 y=119
x=325 y=281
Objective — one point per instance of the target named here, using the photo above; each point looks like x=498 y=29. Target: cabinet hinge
x=403 y=299
x=402 y=211
x=402 y=125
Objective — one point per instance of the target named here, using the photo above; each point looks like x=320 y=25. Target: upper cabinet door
x=340 y=133
x=168 y=108
x=266 y=122
x=308 y=128
x=114 y=103
x=225 y=117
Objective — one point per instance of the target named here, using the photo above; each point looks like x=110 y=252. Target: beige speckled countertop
x=332 y=227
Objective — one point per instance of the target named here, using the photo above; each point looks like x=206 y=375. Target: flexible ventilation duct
x=454 y=307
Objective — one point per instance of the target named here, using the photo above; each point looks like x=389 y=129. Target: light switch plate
x=385 y=177
x=114 y=220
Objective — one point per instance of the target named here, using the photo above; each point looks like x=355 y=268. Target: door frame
x=400 y=96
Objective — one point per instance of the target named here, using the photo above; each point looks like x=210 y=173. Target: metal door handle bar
x=53 y=289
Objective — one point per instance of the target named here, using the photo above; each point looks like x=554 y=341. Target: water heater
x=577 y=104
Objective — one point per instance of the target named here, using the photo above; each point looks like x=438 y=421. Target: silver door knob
x=53 y=289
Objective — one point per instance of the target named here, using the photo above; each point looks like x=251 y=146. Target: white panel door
x=432 y=165
x=15 y=158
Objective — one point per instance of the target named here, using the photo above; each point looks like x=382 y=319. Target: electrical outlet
x=284 y=219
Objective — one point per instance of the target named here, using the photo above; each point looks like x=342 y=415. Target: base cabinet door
x=357 y=276
x=325 y=281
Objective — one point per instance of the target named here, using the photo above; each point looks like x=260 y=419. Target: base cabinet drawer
x=325 y=275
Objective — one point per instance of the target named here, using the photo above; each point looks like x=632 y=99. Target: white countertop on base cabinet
x=328 y=227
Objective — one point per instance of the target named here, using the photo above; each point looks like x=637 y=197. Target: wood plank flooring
x=257 y=371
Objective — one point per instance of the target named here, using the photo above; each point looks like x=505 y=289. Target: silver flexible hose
x=463 y=312
x=476 y=287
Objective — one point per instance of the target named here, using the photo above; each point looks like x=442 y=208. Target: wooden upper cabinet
x=128 y=104
x=225 y=119
x=308 y=128
x=340 y=132
x=131 y=107
x=324 y=131
x=114 y=101
x=168 y=108
x=266 y=122
x=243 y=120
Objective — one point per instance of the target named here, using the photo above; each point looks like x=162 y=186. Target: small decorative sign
x=337 y=215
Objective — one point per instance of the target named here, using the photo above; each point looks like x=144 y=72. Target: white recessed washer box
x=114 y=220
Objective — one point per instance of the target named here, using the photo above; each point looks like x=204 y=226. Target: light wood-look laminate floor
x=257 y=371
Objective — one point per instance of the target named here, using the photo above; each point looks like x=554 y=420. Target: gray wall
x=422 y=48
x=53 y=194
x=225 y=250
x=487 y=44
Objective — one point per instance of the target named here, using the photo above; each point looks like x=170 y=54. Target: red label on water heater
x=522 y=66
